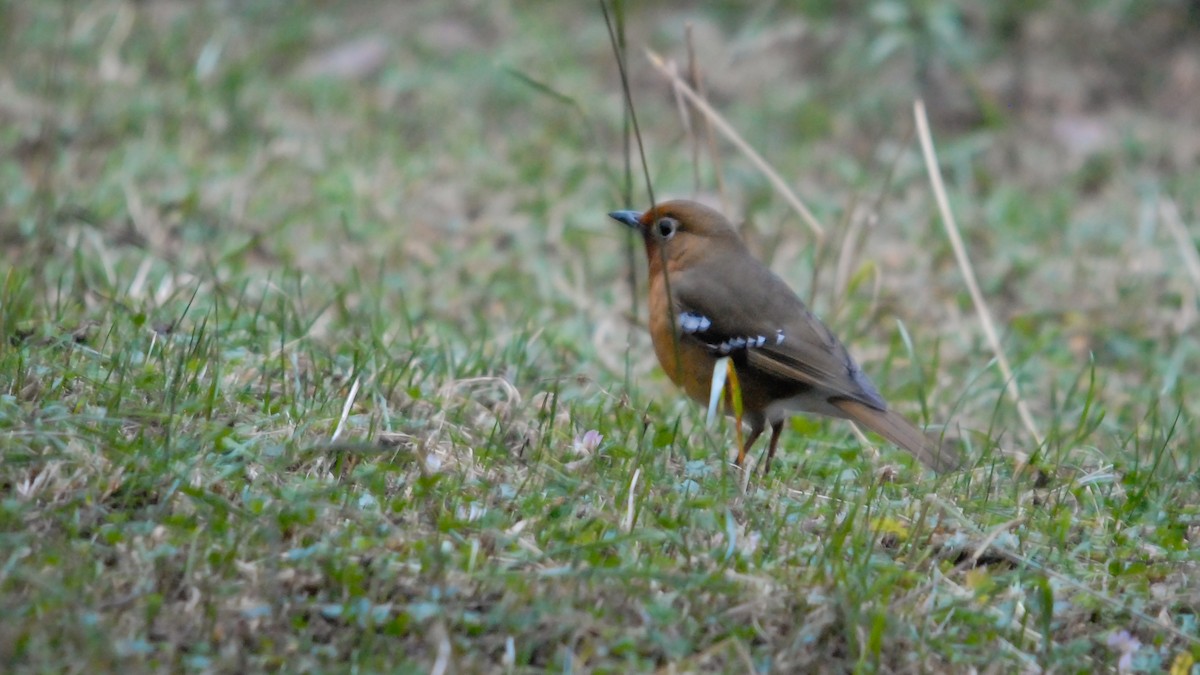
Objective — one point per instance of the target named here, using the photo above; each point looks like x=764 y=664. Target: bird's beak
x=632 y=219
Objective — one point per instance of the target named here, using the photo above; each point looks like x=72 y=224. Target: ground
x=320 y=354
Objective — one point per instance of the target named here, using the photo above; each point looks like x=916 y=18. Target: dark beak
x=632 y=219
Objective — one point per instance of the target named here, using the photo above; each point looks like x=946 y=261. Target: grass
x=308 y=369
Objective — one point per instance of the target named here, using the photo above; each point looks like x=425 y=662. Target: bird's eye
x=666 y=227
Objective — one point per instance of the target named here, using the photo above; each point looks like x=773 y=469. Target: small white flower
x=1126 y=644
x=587 y=443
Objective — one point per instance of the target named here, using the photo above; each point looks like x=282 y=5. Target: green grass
x=297 y=371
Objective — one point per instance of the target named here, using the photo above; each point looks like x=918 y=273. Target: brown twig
x=968 y=271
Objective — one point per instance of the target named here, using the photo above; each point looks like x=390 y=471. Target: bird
x=709 y=298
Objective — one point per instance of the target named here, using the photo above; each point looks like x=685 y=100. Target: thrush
x=711 y=298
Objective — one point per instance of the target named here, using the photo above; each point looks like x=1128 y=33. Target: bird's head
x=681 y=233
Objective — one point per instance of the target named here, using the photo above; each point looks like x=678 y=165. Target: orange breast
x=690 y=365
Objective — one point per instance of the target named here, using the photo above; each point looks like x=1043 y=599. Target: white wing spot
x=737 y=343
x=779 y=336
x=691 y=322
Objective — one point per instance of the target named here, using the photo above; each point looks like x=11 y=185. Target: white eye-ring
x=665 y=227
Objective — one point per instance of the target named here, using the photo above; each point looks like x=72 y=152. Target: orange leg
x=755 y=432
x=776 y=429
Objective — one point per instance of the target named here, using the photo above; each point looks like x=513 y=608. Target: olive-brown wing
x=751 y=312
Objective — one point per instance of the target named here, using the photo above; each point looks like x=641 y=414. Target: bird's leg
x=776 y=428
x=756 y=429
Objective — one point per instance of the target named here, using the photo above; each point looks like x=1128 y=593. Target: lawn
x=319 y=353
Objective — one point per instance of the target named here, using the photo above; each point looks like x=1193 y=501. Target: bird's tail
x=937 y=455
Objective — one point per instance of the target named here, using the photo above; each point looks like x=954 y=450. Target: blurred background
x=461 y=156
